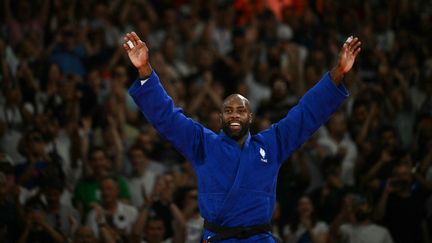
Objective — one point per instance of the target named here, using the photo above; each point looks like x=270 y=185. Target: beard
x=235 y=134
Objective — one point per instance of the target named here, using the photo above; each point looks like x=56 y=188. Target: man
x=88 y=190
x=354 y=224
x=401 y=206
x=112 y=217
x=237 y=172
x=144 y=175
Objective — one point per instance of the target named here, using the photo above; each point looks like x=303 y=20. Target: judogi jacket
x=237 y=186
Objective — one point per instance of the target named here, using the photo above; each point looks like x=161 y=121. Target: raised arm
x=158 y=108
x=347 y=55
x=316 y=106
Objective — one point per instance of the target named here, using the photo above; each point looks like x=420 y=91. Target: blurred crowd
x=79 y=163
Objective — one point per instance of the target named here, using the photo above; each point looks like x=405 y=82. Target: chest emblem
x=263 y=155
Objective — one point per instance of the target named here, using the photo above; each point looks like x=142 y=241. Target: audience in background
x=65 y=115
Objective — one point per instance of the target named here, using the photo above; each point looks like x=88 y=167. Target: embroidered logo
x=263 y=154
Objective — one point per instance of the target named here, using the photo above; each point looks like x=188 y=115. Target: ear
x=250 y=118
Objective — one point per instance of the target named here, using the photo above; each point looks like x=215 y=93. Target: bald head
x=237 y=98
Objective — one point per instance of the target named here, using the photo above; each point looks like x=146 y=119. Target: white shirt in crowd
x=124 y=218
x=370 y=233
x=320 y=228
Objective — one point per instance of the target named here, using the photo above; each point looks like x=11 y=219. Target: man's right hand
x=138 y=54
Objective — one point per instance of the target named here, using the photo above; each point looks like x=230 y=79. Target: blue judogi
x=237 y=186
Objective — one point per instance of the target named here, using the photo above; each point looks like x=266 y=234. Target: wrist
x=145 y=71
x=337 y=74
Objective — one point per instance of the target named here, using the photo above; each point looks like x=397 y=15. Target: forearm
x=138 y=228
x=106 y=234
x=55 y=235
x=380 y=209
x=180 y=224
x=24 y=236
x=371 y=174
x=336 y=75
x=364 y=131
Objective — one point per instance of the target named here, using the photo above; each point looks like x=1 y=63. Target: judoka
x=237 y=171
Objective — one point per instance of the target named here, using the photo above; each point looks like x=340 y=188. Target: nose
x=236 y=114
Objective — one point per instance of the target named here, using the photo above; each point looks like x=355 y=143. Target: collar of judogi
x=229 y=140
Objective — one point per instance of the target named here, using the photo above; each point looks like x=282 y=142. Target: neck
x=241 y=141
x=111 y=206
x=54 y=207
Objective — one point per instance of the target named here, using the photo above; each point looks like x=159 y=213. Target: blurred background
x=79 y=163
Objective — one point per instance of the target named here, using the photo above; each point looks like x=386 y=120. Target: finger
x=345 y=46
x=349 y=41
x=356 y=46
x=135 y=39
x=354 y=42
x=126 y=47
x=357 y=51
x=131 y=39
x=128 y=44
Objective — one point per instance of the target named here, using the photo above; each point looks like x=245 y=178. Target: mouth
x=235 y=125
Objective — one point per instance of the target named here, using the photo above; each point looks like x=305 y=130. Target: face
x=304 y=206
x=99 y=162
x=52 y=196
x=109 y=190
x=155 y=231
x=236 y=116
x=402 y=178
x=35 y=144
x=138 y=159
x=337 y=124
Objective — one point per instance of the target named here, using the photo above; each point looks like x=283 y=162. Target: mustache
x=244 y=129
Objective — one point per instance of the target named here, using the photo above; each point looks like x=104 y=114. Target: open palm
x=348 y=54
x=138 y=54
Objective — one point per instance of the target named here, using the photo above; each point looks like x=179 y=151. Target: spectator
x=328 y=198
x=144 y=175
x=354 y=223
x=63 y=218
x=112 y=217
x=187 y=199
x=63 y=78
x=88 y=190
x=36 y=228
x=10 y=209
x=84 y=234
x=305 y=226
x=401 y=207
x=338 y=142
x=37 y=164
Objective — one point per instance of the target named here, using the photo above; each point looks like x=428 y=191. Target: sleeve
x=313 y=110
x=170 y=121
x=91 y=222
